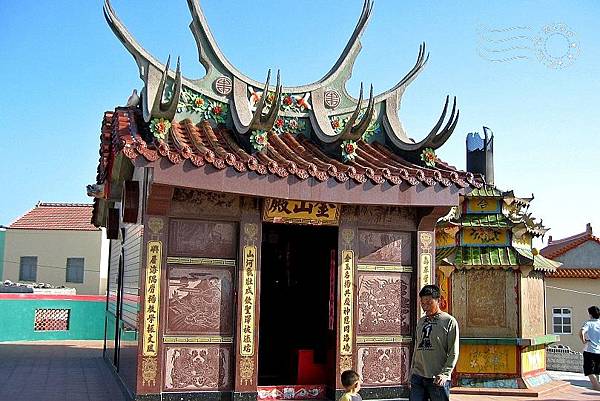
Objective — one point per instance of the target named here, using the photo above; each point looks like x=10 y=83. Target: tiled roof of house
x=559 y=247
x=57 y=216
x=572 y=272
x=286 y=155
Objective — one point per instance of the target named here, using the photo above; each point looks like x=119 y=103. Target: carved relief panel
x=199 y=316
x=486 y=298
x=383 y=365
x=384 y=247
x=196 y=203
x=383 y=303
x=200 y=301
x=202 y=367
x=208 y=239
x=489 y=302
x=400 y=218
x=532 y=305
x=385 y=270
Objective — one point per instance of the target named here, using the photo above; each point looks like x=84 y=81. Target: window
x=561 y=320
x=51 y=319
x=28 y=268
x=75 y=270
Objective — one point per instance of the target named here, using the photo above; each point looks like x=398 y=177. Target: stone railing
x=561 y=357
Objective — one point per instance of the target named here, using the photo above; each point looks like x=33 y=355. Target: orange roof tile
x=287 y=155
x=561 y=246
x=57 y=216
x=574 y=273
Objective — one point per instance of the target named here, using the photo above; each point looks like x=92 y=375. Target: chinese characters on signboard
x=248 y=301
x=282 y=211
x=482 y=205
x=152 y=296
x=347 y=302
x=426 y=259
x=425 y=269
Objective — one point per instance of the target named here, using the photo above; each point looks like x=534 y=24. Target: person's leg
x=589 y=367
x=417 y=389
x=438 y=393
x=595 y=372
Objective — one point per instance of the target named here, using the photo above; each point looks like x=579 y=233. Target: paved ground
x=53 y=371
x=75 y=371
x=580 y=389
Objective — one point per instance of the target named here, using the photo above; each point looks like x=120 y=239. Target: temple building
x=492 y=281
x=266 y=238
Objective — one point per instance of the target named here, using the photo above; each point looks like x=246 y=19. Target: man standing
x=590 y=335
x=436 y=350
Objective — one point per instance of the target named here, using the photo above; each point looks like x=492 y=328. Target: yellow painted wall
x=534 y=358
x=53 y=247
x=577 y=294
x=487 y=359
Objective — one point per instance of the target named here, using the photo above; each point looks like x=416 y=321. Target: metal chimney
x=480 y=154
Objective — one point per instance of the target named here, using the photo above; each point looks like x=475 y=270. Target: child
x=351 y=382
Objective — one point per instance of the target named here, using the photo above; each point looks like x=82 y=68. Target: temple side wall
x=200 y=340
x=383 y=241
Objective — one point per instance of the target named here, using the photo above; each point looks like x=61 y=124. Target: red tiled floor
x=56 y=371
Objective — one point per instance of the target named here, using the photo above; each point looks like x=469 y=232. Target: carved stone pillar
x=152 y=300
x=346 y=291
x=248 y=302
x=426 y=248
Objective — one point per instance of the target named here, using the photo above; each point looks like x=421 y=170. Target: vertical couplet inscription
x=152 y=296
x=347 y=304
x=249 y=300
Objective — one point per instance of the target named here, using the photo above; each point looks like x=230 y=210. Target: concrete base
x=513 y=392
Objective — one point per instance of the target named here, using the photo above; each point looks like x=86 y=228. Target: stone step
x=513 y=392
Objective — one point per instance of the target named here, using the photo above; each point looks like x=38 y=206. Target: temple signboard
x=483 y=205
x=300 y=212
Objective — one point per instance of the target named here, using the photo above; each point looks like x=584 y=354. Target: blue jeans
x=423 y=389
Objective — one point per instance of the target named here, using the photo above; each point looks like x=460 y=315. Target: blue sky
x=62 y=68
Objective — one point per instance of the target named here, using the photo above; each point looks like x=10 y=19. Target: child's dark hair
x=430 y=290
x=594 y=312
x=349 y=378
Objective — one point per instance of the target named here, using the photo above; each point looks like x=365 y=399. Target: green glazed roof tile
x=479 y=256
x=485 y=220
x=443 y=253
x=507 y=256
x=539 y=262
x=486 y=191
